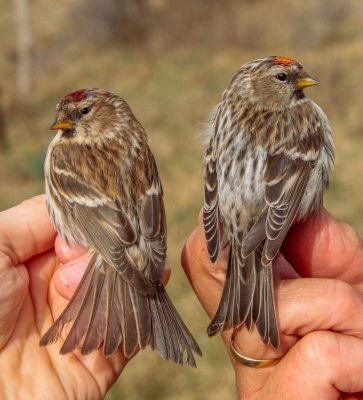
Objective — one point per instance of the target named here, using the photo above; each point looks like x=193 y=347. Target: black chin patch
x=68 y=133
x=299 y=94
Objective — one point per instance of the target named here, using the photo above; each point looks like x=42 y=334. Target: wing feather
x=285 y=184
x=152 y=218
x=211 y=210
x=104 y=224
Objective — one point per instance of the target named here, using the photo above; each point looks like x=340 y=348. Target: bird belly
x=242 y=187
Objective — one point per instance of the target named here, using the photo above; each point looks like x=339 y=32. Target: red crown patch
x=283 y=60
x=78 y=95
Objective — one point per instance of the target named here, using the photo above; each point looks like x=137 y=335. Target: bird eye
x=85 y=110
x=281 y=77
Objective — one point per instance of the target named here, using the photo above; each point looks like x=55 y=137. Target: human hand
x=31 y=294
x=319 y=285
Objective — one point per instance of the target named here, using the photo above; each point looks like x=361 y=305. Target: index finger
x=26 y=230
x=326 y=248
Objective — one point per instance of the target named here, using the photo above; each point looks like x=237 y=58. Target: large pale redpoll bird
x=268 y=160
x=103 y=191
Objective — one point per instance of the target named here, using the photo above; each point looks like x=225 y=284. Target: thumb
x=67 y=278
x=75 y=259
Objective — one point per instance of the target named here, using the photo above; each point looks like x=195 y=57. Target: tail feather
x=247 y=301
x=130 y=328
x=113 y=334
x=142 y=316
x=234 y=307
x=83 y=316
x=182 y=339
x=97 y=320
x=259 y=287
x=266 y=322
x=160 y=321
x=166 y=313
x=105 y=308
x=248 y=323
x=235 y=303
x=70 y=312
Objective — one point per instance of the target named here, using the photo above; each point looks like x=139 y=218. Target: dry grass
x=171 y=89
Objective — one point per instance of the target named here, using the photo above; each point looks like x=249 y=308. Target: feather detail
x=247 y=302
x=210 y=210
x=285 y=181
x=107 y=309
x=237 y=295
x=114 y=334
x=70 y=312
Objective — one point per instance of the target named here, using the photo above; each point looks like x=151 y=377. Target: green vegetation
x=172 y=80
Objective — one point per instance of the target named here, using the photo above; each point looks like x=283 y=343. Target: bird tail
x=247 y=297
x=106 y=309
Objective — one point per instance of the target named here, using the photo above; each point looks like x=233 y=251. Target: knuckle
x=14 y=283
x=353 y=239
x=343 y=294
x=8 y=256
x=319 y=348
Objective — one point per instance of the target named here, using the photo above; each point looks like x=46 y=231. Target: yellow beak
x=306 y=81
x=61 y=125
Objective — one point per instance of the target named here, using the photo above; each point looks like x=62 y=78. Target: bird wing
x=152 y=219
x=285 y=184
x=211 y=209
x=105 y=224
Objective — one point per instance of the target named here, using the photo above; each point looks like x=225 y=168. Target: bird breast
x=240 y=175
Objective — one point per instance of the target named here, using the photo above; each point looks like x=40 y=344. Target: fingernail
x=71 y=250
x=72 y=274
x=66 y=248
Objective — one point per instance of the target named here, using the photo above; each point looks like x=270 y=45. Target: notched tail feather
x=170 y=337
x=236 y=298
x=264 y=302
x=247 y=301
x=105 y=308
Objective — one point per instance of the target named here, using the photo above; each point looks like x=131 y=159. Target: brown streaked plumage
x=268 y=160
x=103 y=190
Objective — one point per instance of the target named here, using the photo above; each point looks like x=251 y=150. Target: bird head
x=88 y=114
x=273 y=83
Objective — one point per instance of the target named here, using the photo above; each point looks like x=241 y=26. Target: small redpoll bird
x=103 y=191
x=268 y=160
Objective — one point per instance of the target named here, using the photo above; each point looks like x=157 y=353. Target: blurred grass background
x=171 y=60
